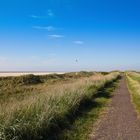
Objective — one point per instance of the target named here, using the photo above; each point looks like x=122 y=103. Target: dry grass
x=29 y=85
x=133 y=80
x=35 y=117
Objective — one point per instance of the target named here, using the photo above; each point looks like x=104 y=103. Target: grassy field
x=19 y=87
x=84 y=125
x=41 y=107
x=133 y=80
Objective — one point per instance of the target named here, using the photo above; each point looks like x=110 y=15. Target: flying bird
x=76 y=60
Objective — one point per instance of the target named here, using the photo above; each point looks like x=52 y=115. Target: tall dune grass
x=133 y=80
x=42 y=115
x=134 y=76
x=26 y=85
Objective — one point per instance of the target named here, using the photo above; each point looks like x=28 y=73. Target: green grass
x=134 y=88
x=45 y=115
x=19 y=87
x=83 y=125
x=134 y=75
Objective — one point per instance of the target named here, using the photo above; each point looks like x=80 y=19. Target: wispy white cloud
x=48 y=28
x=50 y=13
x=34 y=16
x=79 y=42
x=38 y=17
x=55 y=36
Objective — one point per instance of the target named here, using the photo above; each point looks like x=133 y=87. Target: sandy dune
x=6 y=74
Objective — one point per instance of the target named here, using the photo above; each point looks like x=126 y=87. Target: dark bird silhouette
x=76 y=60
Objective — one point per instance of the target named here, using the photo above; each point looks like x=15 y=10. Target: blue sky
x=50 y=35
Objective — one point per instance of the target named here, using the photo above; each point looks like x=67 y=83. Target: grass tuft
x=133 y=80
x=45 y=115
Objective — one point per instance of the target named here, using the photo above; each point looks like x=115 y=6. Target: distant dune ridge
x=6 y=74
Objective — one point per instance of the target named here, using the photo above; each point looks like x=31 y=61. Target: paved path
x=121 y=122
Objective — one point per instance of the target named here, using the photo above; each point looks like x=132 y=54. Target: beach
x=7 y=74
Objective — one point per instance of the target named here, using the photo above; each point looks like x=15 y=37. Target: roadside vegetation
x=90 y=113
x=26 y=85
x=133 y=79
x=49 y=108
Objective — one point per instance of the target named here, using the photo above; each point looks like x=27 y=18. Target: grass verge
x=44 y=116
x=134 y=88
x=82 y=126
